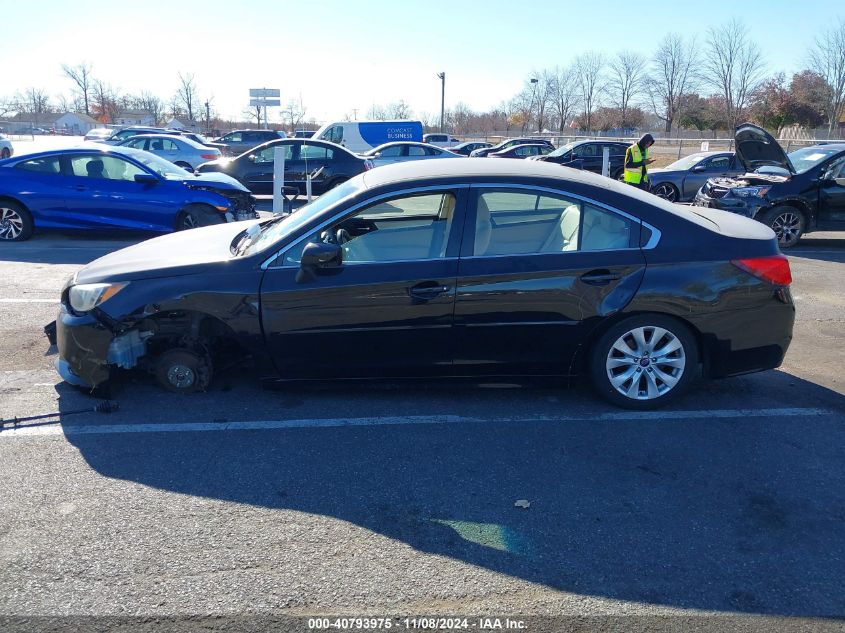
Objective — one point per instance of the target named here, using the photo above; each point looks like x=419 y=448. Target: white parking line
x=268 y=425
x=29 y=300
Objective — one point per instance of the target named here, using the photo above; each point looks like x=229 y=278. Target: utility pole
x=207 y=116
x=442 y=77
x=354 y=114
x=531 y=105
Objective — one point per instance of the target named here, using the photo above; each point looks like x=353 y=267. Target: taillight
x=209 y=156
x=774 y=269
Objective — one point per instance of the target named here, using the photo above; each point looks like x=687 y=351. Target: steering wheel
x=328 y=237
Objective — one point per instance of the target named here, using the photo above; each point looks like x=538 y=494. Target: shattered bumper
x=89 y=349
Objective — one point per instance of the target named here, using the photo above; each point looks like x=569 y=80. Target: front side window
x=413 y=227
x=234 y=137
x=137 y=143
x=718 y=163
x=416 y=150
x=525 y=223
x=334 y=134
x=104 y=167
x=392 y=151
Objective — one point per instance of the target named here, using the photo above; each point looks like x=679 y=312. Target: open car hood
x=756 y=148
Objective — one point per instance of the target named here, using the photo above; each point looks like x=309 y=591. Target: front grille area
x=715 y=191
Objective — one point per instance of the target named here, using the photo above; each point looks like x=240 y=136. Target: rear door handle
x=427 y=292
x=78 y=187
x=600 y=277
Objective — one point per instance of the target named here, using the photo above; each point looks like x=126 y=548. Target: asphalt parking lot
x=400 y=498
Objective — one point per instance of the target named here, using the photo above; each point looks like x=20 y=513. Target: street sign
x=265 y=102
x=260 y=93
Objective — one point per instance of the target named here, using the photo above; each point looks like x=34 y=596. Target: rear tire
x=644 y=362
x=16 y=223
x=196 y=215
x=185 y=166
x=788 y=223
x=617 y=175
x=5 y=153
x=182 y=370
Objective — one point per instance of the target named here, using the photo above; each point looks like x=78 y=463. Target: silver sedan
x=181 y=151
x=680 y=181
x=399 y=151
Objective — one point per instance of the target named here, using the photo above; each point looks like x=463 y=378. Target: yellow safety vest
x=636 y=175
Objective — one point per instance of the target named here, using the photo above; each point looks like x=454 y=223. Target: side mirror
x=377 y=155
x=252 y=158
x=146 y=179
x=321 y=255
x=698 y=168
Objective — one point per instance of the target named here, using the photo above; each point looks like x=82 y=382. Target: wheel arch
x=580 y=361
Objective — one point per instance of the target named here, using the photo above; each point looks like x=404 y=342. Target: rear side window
x=46 y=165
x=315 y=152
x=525 y=223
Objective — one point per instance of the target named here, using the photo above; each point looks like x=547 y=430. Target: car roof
x=176 y=137
x=836 y=146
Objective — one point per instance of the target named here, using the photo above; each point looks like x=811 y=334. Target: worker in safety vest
x=637 y=162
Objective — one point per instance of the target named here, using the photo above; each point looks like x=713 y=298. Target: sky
x=342 y=56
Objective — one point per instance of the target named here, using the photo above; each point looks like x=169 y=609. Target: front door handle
x=600 y=277
x=78 y=187
x=426 y=291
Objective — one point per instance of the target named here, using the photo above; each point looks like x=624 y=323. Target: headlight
x=751 y=192
x=86 y=297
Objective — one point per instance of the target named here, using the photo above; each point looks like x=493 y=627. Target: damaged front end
x=242 y=202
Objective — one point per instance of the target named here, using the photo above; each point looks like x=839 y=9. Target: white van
x=362 y=136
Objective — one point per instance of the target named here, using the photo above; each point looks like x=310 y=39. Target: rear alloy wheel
x=196 y=215
x=643 y=362
x=183 y=371
x=5 y=153
x=788 y=224
x=15 y=222
x=666 y=190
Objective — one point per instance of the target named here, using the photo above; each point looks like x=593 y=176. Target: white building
x=76 y=124
x=135 y=117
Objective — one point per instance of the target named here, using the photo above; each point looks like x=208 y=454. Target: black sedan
x=445 y=268
x=526 y=150
x=511 y=142
x=792 y=195
x=328 y=164
x=589 y=156
x=465 y=149
x=680 y=181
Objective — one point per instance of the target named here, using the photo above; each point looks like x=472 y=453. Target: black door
x=387 y=310
x=832 y=197
x=537 y=271
x=257 y=168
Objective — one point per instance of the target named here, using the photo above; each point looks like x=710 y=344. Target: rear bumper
x=747 y=341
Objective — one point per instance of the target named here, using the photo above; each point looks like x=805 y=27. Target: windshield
x=302 y=216
x=162 y=167
x=806 y=158
x=560 y=151
x=686 y=163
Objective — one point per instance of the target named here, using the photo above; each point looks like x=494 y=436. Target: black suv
x=793 y=195
x=237 y=142
x=588 y=155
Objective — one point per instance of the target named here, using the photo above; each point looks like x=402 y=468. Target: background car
x=237 y=142
x=486 y=268
x=98 y=134
x=792 y=195
x=441 y=140
x=522 y=151
x=484 y=151
x=92 y=188
x=589 y=156
x=399 y=152
x=303 y=133
x=133 y=130
x=328 y=163
x=680 y=181
x=179 y=150
x=6 y=148
x=466 y=148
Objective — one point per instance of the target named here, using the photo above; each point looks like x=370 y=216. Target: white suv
x=441 y=140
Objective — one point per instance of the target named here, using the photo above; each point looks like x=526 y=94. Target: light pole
x=533 y=81
x=442 y=77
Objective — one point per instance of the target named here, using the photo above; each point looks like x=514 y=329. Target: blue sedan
x=111 y=188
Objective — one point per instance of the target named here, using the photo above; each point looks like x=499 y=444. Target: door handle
x=600 y=277
x=78 y=187
x=426 y=292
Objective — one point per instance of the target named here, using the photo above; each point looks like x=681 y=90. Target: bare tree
x=734 y=66
x=543 y=94
x=8 y=105
x=186 y=95
x=398 y=110
x=590 y=70
x=827 y=58
x=33 y=102
x=104 y=102
x=564 y=95
x=253 y=112
x=377 y=113
x=626 y=81
x=81 y=76
x=673 y=76
x=152 y=104
x=293 y=113
x=62 y=103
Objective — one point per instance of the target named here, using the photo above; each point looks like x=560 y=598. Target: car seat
x=564 y=235
x=157 y=145
x=604 y=231
x=96 y=169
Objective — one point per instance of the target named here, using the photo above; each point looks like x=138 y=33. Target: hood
x=215 y=179
x=756 y=148
x=180 y=253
